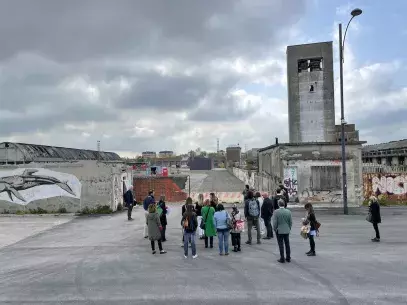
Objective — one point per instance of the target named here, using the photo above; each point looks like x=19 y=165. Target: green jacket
x=282 y=221
x=207 y=216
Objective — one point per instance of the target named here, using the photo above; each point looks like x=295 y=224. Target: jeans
x=189 y=237
x=160 y=246
x=235 y=240
x=251 y=221
x=129 y=210
x=269 y=228
x=284 y=239
x=376 y=228
x=311 y=242
x=223 y=237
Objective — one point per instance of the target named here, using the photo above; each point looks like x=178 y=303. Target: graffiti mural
x=22 y=186
x=290 y=181
x=394 y=186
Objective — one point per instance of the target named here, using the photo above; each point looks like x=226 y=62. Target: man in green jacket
x=282 y=222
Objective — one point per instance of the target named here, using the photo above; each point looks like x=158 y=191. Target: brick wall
x=162 y=186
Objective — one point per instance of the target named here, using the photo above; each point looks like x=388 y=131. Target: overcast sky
x=177 y=75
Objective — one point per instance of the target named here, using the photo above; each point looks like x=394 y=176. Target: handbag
x=317 y=225
x=369 y=217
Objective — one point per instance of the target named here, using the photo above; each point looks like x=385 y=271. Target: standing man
x=282 y=223
x=146 y=203
x=266 y=214
x=129 y=201
x=252 y=214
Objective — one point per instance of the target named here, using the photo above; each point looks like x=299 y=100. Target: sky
x=177 y=75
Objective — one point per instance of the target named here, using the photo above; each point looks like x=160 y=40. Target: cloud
x=142 y=75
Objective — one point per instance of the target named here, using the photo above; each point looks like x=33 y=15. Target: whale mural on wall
x=23 y=185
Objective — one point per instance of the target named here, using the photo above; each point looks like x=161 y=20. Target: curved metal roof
x=37 y=152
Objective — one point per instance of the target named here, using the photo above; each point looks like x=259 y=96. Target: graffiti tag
x=290 y=180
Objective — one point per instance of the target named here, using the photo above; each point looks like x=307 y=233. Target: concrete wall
x=101 y=184
x=292 y=165
x=311 y=114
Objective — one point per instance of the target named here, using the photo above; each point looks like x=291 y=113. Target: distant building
x=201 y=163
x=19 y=153
x=166 y=153
x=149 y=154
x=233 y=154
x=392 y=153
x=351 y=134
x=311 y=107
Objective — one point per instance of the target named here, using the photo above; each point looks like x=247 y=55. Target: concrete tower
x=311 y=106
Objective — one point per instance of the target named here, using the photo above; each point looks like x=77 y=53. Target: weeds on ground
x=99 y=209
x=119 y=207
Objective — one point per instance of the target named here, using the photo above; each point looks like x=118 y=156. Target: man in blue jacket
x=147 y=201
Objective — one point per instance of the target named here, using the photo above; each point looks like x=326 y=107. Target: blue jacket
x=147 y=201
x=220 y=220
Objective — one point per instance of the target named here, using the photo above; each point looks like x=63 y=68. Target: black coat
x=267 y=208
x=198 y=209
x=312 y=221
x=128 y=198
x=163 y=216
x=374 y=209
x=276 y=199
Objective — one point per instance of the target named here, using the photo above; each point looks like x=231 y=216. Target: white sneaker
x=185 y=256
x=195 y=256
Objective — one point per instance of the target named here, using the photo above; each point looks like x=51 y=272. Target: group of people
x=209 y=218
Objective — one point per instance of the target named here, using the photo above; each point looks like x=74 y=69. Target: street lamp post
x=354 y=13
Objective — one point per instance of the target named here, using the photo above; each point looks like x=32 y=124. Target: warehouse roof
x=43 y=152
x=385 y=146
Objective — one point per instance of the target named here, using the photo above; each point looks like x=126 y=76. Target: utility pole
x=217 y=145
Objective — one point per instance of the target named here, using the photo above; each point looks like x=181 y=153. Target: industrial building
x=310 y=80
x=392 y=153
x=20 y=153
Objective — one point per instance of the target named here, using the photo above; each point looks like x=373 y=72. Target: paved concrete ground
x=14 y=228
x=215 y=181
x=105 y=260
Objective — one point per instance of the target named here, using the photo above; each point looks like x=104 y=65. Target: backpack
x=189 y=224
x=254 y=208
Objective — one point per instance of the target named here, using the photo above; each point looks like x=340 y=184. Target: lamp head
x=356 y=12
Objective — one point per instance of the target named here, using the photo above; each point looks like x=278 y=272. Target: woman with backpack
x=222 y=223
x=207 y=223
x=154 y=228
x=162 y=212
x=190 y=223
x=237 y=228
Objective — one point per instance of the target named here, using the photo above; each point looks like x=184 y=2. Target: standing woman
x=207 y=217
x=163 y=216
x=311 y=219
x=198 y=211
x=154 y=228
x=374 y=210
x=236 y=228
x=221 y=220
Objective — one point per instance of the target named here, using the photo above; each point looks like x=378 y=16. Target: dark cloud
x=79 y=30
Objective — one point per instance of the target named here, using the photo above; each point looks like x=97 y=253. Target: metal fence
x=385 y=169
